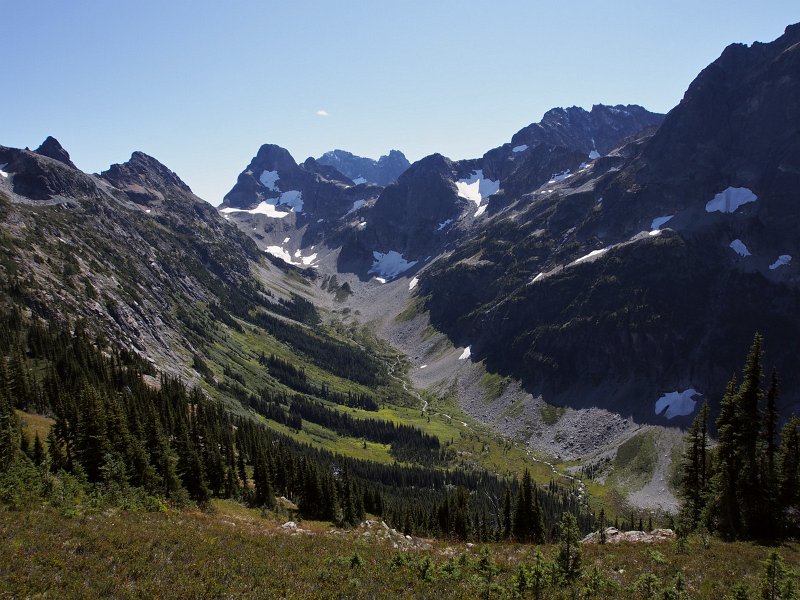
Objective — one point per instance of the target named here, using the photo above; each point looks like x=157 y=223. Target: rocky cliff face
x=646 y=272
x=381 y=172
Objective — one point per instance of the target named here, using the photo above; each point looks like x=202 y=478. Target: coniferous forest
x=124 y=434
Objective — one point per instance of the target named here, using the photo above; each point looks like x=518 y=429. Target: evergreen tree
x=769 y=475
x=569 y=550
x=693 y=486
x=57 y=458
x=523 y=525
x=747 y=435
x=725 y=506
x=506 y=525
x=38 y=451
x=9 y=430
x=789 y=464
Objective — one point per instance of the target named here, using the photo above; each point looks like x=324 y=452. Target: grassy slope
x=236 y=553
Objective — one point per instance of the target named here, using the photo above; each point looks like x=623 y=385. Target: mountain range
x=613 y=258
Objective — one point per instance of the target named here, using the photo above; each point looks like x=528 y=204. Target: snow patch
x=466 y=353
x=555 y=178
x=677 y=404
x=659 y=221
x=359 y=180
x=654 y=232
x=380 y=280
x=413 y=283
x=293 y=199
x=476 y=188
x=783 y=259
x=286 y=239
x=739 y=247
x=589 y=256
x=520 y=148
x=307 y=260
x=481 y=210
x=264 y=208
x=389 y=265
x=594 y=154
x=356 y=205
x=537 y=278
x=730 y=199
x=2 y=170
x=269 y=179
x=280 y=253
x=423 y=366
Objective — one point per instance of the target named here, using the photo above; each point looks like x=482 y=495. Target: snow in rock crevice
x=466 y=353
x=730 y=199
x=677 y=404
x=443 y=224
x=556 y=177
x=738 y=246
x=590 y=256
x=783 y=259
x=388 y=265
x=659 y=221
x=3 y=171
x=475 y=188
x=520 y=148
x=269 y=179
x=413 y=283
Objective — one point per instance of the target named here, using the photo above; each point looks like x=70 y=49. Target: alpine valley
x=387 y=362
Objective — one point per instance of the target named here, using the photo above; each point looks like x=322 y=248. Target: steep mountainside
x=381 y=172
x=632 y=283
x=610 y=257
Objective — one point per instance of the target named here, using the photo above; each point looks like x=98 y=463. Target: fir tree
x=747 y=435
x=569 y=550
x=693 y=486
x=725 y=506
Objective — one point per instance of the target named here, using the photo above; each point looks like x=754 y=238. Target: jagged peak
x=143 y=170
x=51 y=148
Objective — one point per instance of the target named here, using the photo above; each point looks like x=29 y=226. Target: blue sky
x=201 y=85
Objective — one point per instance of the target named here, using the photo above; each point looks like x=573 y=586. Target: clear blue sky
x=201 y=85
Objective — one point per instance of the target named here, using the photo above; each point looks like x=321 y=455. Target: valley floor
x=236 y=552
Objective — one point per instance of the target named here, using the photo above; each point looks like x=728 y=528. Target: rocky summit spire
x=52 y=149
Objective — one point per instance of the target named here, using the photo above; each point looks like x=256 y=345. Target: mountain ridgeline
x=608 y=258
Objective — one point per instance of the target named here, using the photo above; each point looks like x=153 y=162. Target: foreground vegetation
x=235 y=552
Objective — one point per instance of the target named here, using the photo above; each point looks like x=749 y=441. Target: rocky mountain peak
x=51 y=148
x=381 y=172
x=597 y=131
x=144 y=179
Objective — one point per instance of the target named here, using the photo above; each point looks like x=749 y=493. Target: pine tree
x=38 y=451
x=693 y=486
x=747 y=435
x=9 y=431
x=523 y=525
x=507 y=522
x=725 y=506
x=569 y=550
x=769 y=475
x=789 y=464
